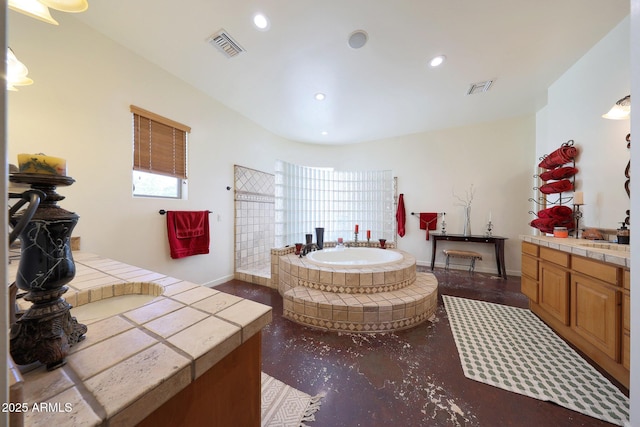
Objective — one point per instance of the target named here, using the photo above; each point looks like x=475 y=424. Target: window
x=306 y=198
x=159 y=155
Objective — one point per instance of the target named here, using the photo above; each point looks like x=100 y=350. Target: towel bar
x=162 y=212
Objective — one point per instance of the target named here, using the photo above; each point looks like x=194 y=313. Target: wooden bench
x=454 y=253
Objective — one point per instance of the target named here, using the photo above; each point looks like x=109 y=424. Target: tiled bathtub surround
x=131 y=363
x=367 y=299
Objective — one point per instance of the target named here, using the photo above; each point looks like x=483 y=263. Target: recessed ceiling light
x=438 y=60
x=320 y=96
x=324 y=132
x=261 y=21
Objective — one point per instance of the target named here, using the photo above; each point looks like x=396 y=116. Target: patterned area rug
x=511 y=348
x=285 y=406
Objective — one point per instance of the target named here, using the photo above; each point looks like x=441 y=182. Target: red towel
x=428 y=221
x=546 y=224
x=557 y=187
x=562 y=155
x=188 y=233
x=559 y=173
x=557 y=212
x=401 y=216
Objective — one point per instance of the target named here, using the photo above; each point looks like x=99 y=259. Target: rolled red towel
x=558 y=212
x=562 y=155
x=557 y=187
x=559 y=173
x=546 y=224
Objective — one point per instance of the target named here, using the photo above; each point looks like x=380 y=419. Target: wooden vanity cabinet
x=585 y=301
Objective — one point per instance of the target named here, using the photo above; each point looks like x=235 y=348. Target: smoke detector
x=226 y=44
x=357 y=39
x=479 y=87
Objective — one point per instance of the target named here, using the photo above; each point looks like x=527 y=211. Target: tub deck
x=363 y=299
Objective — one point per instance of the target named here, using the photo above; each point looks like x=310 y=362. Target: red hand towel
x=428 y=221
x=401 y=216
x=188 y=233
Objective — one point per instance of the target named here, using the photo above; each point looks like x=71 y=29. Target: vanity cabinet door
x=626 y=330
x=554 y=291
x=595 y=313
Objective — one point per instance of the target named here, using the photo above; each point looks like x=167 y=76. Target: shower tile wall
x=254 y=222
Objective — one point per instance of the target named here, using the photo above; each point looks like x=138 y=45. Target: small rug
x=285 y=406
x=510 y=348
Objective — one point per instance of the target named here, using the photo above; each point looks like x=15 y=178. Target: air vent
x=227 y=45
x=479 y=87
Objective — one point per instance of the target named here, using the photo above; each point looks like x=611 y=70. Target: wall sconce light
x=621 y=110
x=39 y=9
x=16 y=72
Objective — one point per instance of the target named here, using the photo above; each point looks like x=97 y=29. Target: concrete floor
x=407 y=378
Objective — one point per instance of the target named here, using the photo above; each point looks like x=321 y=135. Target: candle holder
x=355 y=238
x=46 y=330
x=577 y=214
x=443 y=231
x=489 y=228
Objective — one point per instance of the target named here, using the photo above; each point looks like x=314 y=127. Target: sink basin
x=110 y=306
x=607 y=246
x=104 y=308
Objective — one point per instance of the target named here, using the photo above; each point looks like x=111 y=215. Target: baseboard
x=479 y=269
x=220 y=281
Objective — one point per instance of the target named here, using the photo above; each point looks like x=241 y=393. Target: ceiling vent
x=227 y=45
x=479 y=87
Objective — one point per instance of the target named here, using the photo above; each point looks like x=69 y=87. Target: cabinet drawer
x=626 y=350
x=605 y=272
x=626 y=311
x=530 y=248
x=530 y=267
x=529 y=288
x=626 y=279
x=554 y=256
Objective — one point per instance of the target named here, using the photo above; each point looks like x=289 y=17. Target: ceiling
x=381 y=90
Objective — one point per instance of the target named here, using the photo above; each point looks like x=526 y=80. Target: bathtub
x=354 y=257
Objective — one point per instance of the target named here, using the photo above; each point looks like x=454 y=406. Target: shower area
x=254 y=224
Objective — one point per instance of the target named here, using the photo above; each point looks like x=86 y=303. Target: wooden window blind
x=159 y=144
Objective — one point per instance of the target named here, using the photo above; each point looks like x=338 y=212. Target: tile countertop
x=611 y=253
x=130 y=363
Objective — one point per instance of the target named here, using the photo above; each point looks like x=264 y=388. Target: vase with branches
x=466 y=204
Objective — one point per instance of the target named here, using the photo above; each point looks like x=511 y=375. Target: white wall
x=576 y=103
x=635 y=213
x=495 y=157
x=78 y=109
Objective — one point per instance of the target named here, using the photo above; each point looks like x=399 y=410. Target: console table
x=497 y=241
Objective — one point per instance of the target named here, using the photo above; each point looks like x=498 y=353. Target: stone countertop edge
x=165 y=345
x=620 y=257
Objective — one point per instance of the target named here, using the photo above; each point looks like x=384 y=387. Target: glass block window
x=307 y=197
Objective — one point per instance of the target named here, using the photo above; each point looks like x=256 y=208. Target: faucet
x=308 y=248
